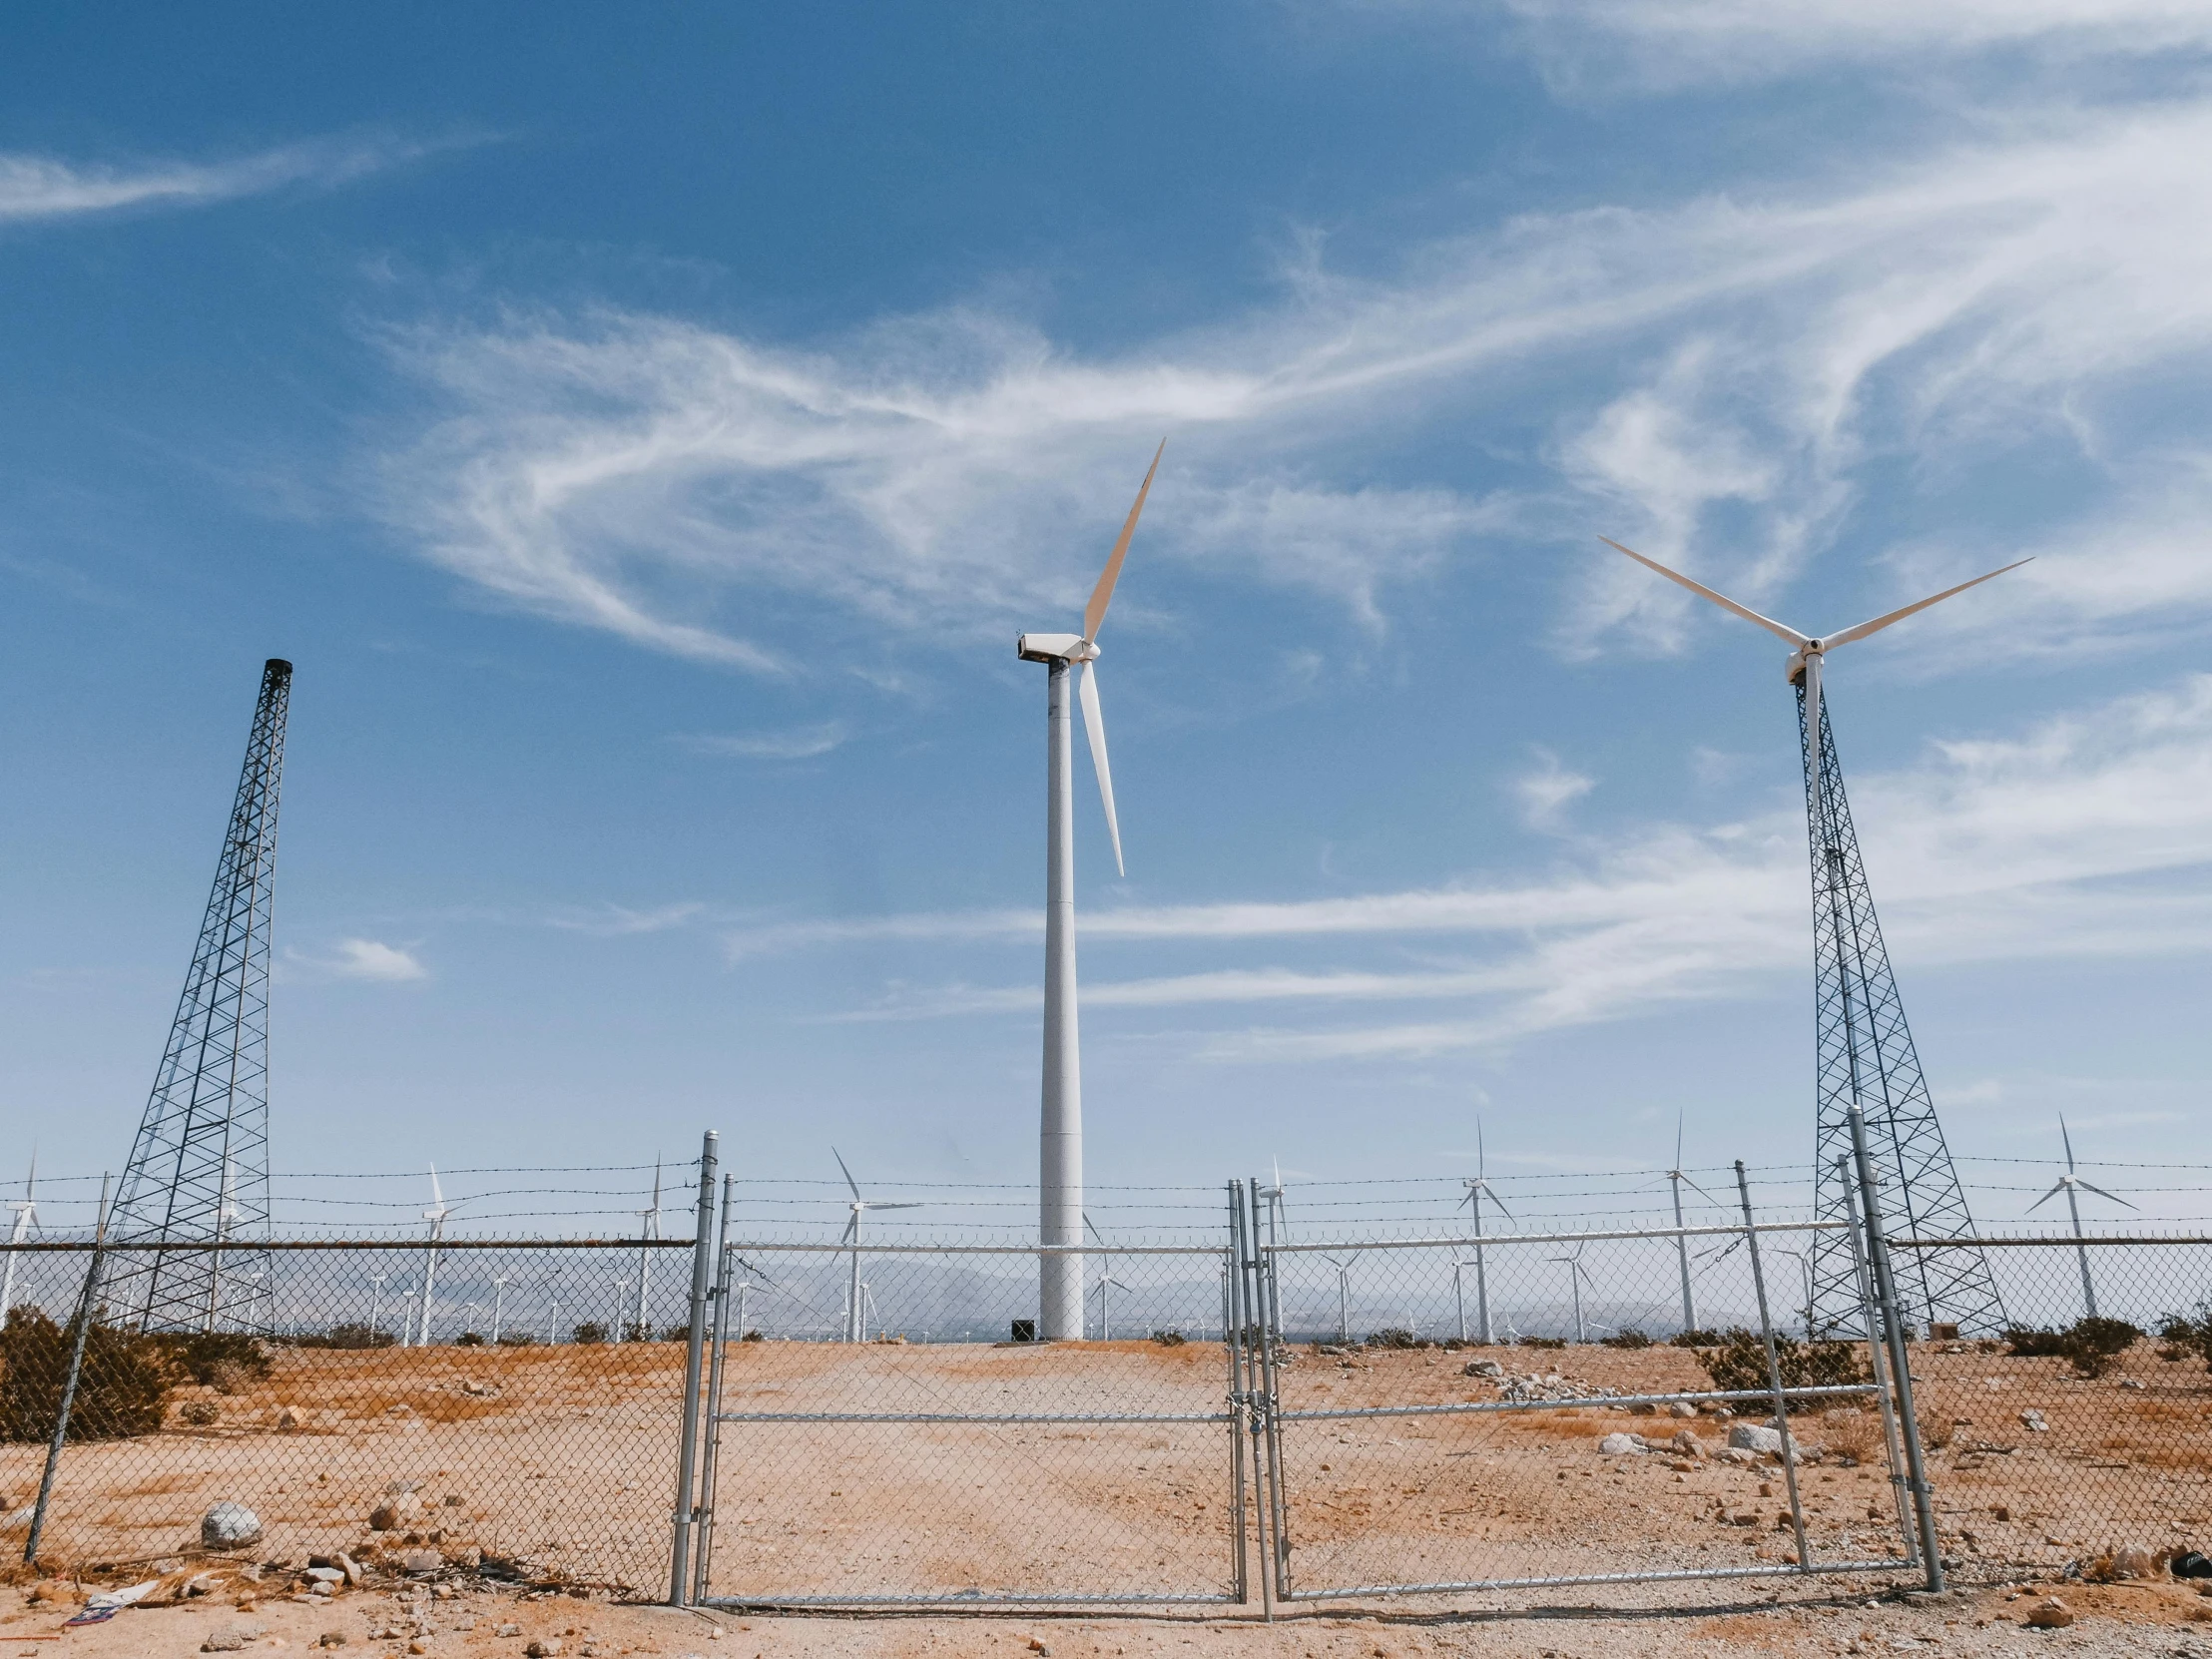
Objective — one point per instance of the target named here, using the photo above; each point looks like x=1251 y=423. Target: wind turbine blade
x=915 y=1204
x=2047 y=1197
x=1701 y=1191
x=2101 y=1193
x=2068 y=1140
x=1678 y=1145
x=1499 y=1202
x=438 y=1199
x=1094 y=728
x=1720 y=599
x=851 y=1228
x=1481 y=1163
x=1881 y=622
x=1092 y=1226
x=849 y=1181
x=1103 y=595
x=1813 y=700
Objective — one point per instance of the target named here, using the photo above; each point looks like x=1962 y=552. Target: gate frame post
x=85 y=1303
x=1878 y=1360
x=1901 y=1373
x=1231 y=1337
x=709 y=1436
x=687 y=1456
x=1774 y=1374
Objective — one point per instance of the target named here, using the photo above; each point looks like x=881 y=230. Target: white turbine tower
x=1479 y=1186
x=1061 y=1153
x=1343 y=1295
x=1107 y=1284
x=859 y=1206
x=2073 y=1186
x=1576 y=1281
x=1676 y=1179
x=26 y=1218
x=435 y=1216
x=651 y=1230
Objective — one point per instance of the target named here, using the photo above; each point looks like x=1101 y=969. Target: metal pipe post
x=1774 y=1374
x=709 y=1453
x=85 y=1301
x=1877 y=1360
x=1892 y=1326
x=686 y=1453
x=1231 y=1327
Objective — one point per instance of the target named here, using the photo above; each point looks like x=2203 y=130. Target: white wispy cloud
x=1549 y=789
x=620 y=920
x=1716 y=40
x=2089 y=835
x=797 y=743
x=47 y=187
x=369 y=959
x=1725 y=370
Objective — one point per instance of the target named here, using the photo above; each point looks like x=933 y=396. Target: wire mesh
x=884 y=1439
x=2075 y=1435
x=520 y=1418
x=1578 y=1444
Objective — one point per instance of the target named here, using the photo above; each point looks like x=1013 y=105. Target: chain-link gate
x=878 y=1434
x=1402 y=1466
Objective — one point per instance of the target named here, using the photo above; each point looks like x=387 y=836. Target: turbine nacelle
x=1056 y=647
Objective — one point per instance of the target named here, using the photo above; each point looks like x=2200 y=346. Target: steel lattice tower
x=1864 y=1053
x=198 y=1172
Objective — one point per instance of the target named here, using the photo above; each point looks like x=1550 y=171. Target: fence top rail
x=247 y=1247
x=1217 y=1252
x=2049 y=1241
x=1472 y=1241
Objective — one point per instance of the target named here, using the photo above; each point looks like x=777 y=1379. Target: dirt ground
x=2136 y=1620
x=559 y=1463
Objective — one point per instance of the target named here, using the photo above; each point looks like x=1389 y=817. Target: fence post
x=710 y=1449
x=85 y=1302
x=703 y=1249
x=1232 y=1337
x=1877 y=1359
x=1774 y=1374
x=1901 y=1373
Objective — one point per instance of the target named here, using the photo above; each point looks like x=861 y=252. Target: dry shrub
x=1854 y=1434
x=1739 y=1363
x=122 y=1388
x=1935 y=1429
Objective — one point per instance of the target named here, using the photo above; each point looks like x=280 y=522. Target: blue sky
x=647 y=434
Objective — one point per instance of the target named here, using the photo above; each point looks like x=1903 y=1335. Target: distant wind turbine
x=2072 y=1186
x=1061 y=1294
x=1478 y=1186
x=1677 y=1178
x=1107 y=1284
x=1576 y=1281
x=1344 y=1294
x=26 y=1218
x=651 y=1230
x=859 y=1206
x=435 y=1216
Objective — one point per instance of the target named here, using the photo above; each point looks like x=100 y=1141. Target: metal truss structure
x=197 y=1186
x=1866 y=1055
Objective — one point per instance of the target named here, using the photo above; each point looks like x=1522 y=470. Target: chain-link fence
x=2085 y=1429
x=508 y=1405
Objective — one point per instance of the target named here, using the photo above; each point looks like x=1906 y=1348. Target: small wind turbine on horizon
x=1576 y=1277
x=1060 y=1295
x=650 y=1229
x=2073 y=1186
x=1107 y=1284
x=435 y=1216
x=26 y=1218
x=858 y=1207
x=1478 y=1186
x=1677 y=1178
x=1344 y=1294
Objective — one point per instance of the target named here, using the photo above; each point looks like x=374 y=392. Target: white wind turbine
x=1343 y=1295
x=1477 y=1187
x=1676 y=1178
x=1060 y=1292
x=435 y=1216
x=859 y=1206
x=1576 y=1277
x=26 y=1218
x=650 y=1230
x=1107 y=1284
x=2072 y=1186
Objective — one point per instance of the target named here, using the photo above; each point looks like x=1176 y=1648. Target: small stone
x=2034 y=1421
x=231 y=1638
x=418 y=1645
x=352 y=1570
x=1622 y=1446
x=1036 y=1645
x=421 y=1560
x=2133 y=1563
x=331 y=1638
x=327 y=1576
x=2049 y=1614
x=1682 y=1409
x=507 y=1630
x=1687 y=1444
x=288 y=1421
x=229 y=1527
x=1483 y=1368
x=543 y=1649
